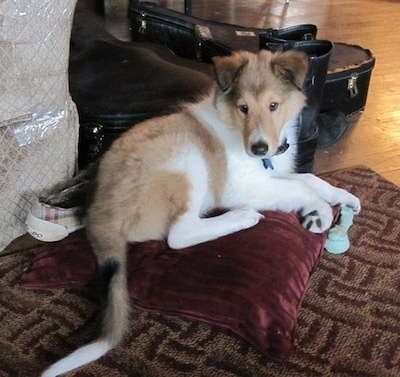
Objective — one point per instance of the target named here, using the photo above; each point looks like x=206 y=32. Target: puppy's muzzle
x=261 y=148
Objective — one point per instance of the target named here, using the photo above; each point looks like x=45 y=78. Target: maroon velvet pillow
x=249 y=284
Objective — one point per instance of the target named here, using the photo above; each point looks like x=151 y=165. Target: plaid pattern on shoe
x=51 y=223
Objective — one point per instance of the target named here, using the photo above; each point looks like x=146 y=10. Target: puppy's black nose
x=259 y=149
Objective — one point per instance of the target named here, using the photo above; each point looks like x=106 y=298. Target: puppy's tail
x=115 y=321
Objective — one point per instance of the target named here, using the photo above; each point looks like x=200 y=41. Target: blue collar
x=267 y=163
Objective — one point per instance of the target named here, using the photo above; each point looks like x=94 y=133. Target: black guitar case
x=196 y=38
x=349 y=70
x=349 y=74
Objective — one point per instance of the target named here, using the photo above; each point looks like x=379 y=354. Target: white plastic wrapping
x=38 y=120
x=35 y=127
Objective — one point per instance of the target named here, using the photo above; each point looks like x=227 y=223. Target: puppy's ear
x=228 y=68
x=291 y=66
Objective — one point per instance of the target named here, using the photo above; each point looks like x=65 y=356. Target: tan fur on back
x=140 y=194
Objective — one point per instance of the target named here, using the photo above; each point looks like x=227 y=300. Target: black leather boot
x=318 y=52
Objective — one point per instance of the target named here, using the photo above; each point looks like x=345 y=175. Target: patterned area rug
x=349 y=323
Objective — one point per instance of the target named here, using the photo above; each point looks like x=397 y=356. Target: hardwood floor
x=373 y=138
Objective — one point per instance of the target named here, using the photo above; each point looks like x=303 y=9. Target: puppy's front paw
x=354 y=204
x=345 y=198
x=318 y=219
x=243 y=218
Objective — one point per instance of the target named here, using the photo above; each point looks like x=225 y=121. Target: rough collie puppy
x=234 y=149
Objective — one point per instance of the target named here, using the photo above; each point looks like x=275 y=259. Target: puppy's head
x=259 y=94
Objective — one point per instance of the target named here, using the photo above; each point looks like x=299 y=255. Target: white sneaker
x=50 y=223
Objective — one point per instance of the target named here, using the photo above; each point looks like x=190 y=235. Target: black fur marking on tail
x=107 y=271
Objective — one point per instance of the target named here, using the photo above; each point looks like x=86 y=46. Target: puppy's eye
x=244 y=109
x=273 y=106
